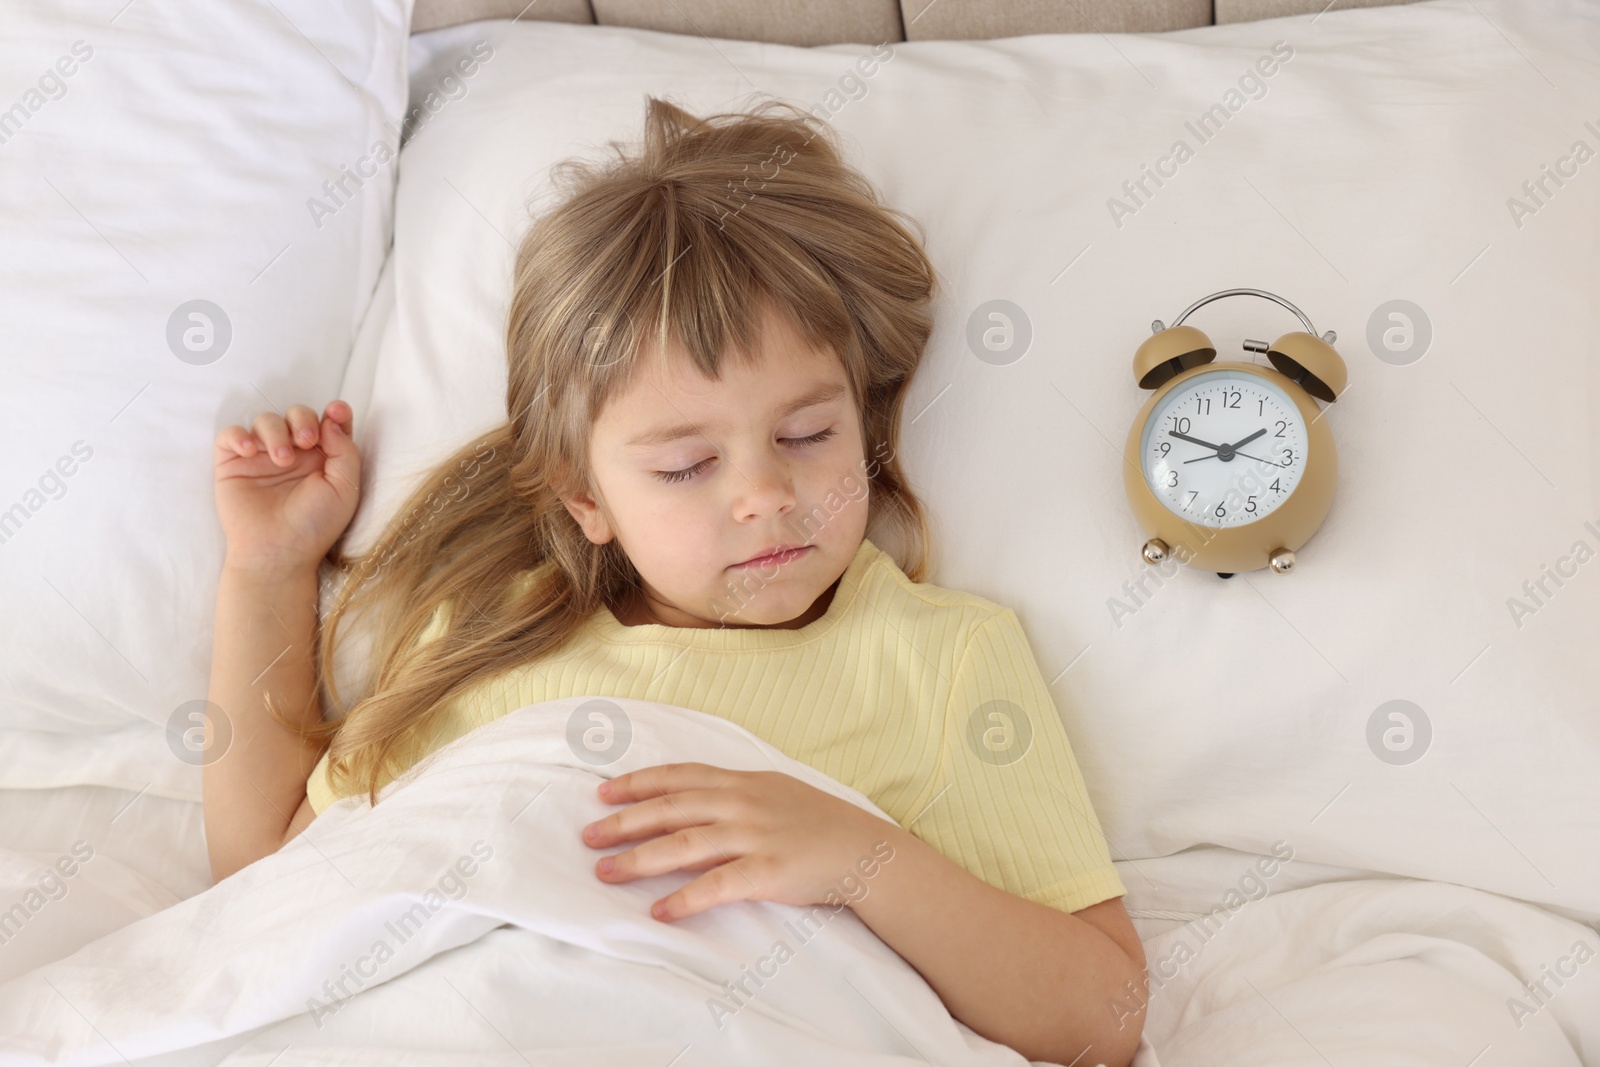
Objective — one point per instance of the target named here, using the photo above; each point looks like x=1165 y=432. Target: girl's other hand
x=759 y=835
x=286 y=491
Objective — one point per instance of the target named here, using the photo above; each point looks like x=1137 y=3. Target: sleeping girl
x=696 y=499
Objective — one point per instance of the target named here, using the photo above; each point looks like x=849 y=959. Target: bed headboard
x=813 y=22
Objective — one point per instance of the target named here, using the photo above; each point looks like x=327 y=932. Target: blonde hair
x=687 y=239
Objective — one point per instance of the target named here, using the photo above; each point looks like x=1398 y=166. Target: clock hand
x=1224 y=452
x=1196 y=440
x=1247 y=440
x=1268 y=462
x=1246 y=455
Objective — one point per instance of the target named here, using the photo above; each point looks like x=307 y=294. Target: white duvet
x=460 y=921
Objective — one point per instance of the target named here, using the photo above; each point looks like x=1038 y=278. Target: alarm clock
x=1230 y=466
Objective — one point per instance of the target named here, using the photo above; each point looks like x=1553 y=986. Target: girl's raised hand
x=287 y=490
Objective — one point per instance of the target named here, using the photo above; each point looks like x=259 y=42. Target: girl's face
x=695 y=478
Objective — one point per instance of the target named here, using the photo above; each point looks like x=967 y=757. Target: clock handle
x=1275 y=298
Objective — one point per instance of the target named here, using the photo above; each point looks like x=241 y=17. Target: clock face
x=1224 y=448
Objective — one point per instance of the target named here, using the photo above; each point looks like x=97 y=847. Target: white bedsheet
x=144 y=853
x=1310 y=965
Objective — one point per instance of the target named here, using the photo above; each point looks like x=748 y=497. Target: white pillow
x=1373 y=164
x=150 y=157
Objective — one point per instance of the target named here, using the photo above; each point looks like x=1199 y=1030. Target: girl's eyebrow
x=821 y=393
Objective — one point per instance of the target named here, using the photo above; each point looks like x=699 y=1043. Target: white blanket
x=460 y=920
x=334 y=950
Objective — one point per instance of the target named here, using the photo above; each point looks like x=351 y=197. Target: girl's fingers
x=342 y=415
x=302 y=425
x=273 y=432
x=279 y=436
x=343 y=466
x=237 y=439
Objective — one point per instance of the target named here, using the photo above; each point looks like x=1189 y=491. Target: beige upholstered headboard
x=811 y=22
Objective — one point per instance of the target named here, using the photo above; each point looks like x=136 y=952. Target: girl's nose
x=766 y=488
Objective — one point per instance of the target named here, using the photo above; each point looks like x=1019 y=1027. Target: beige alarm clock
x=1230 y=465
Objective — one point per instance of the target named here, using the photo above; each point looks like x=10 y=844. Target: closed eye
x=689 y=472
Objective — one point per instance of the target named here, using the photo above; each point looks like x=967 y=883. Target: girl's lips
x=778 y=559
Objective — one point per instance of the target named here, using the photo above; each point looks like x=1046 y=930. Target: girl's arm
x=1061 y=987
x=265 y=643
x=1052 y=985
x=284 y=494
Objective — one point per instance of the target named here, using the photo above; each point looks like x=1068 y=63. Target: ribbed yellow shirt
x=925 y=699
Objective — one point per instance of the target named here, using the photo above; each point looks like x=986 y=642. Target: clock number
x=1281 y=427
x=1164 y=447
x=1250 y=505
x=1174 y=482
x=1275 y=487
x=1219 y=513
x=1261 y=405
x=1179 y=425
x=1202 y=406
x=1192 y=494
x=1288 y=456
x=1237 y=396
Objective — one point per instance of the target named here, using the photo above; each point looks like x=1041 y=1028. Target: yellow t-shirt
x=927 y=700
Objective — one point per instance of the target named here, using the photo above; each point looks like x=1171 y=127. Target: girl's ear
x=590 y=517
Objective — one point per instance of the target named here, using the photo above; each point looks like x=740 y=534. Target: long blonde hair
x=686 y=239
